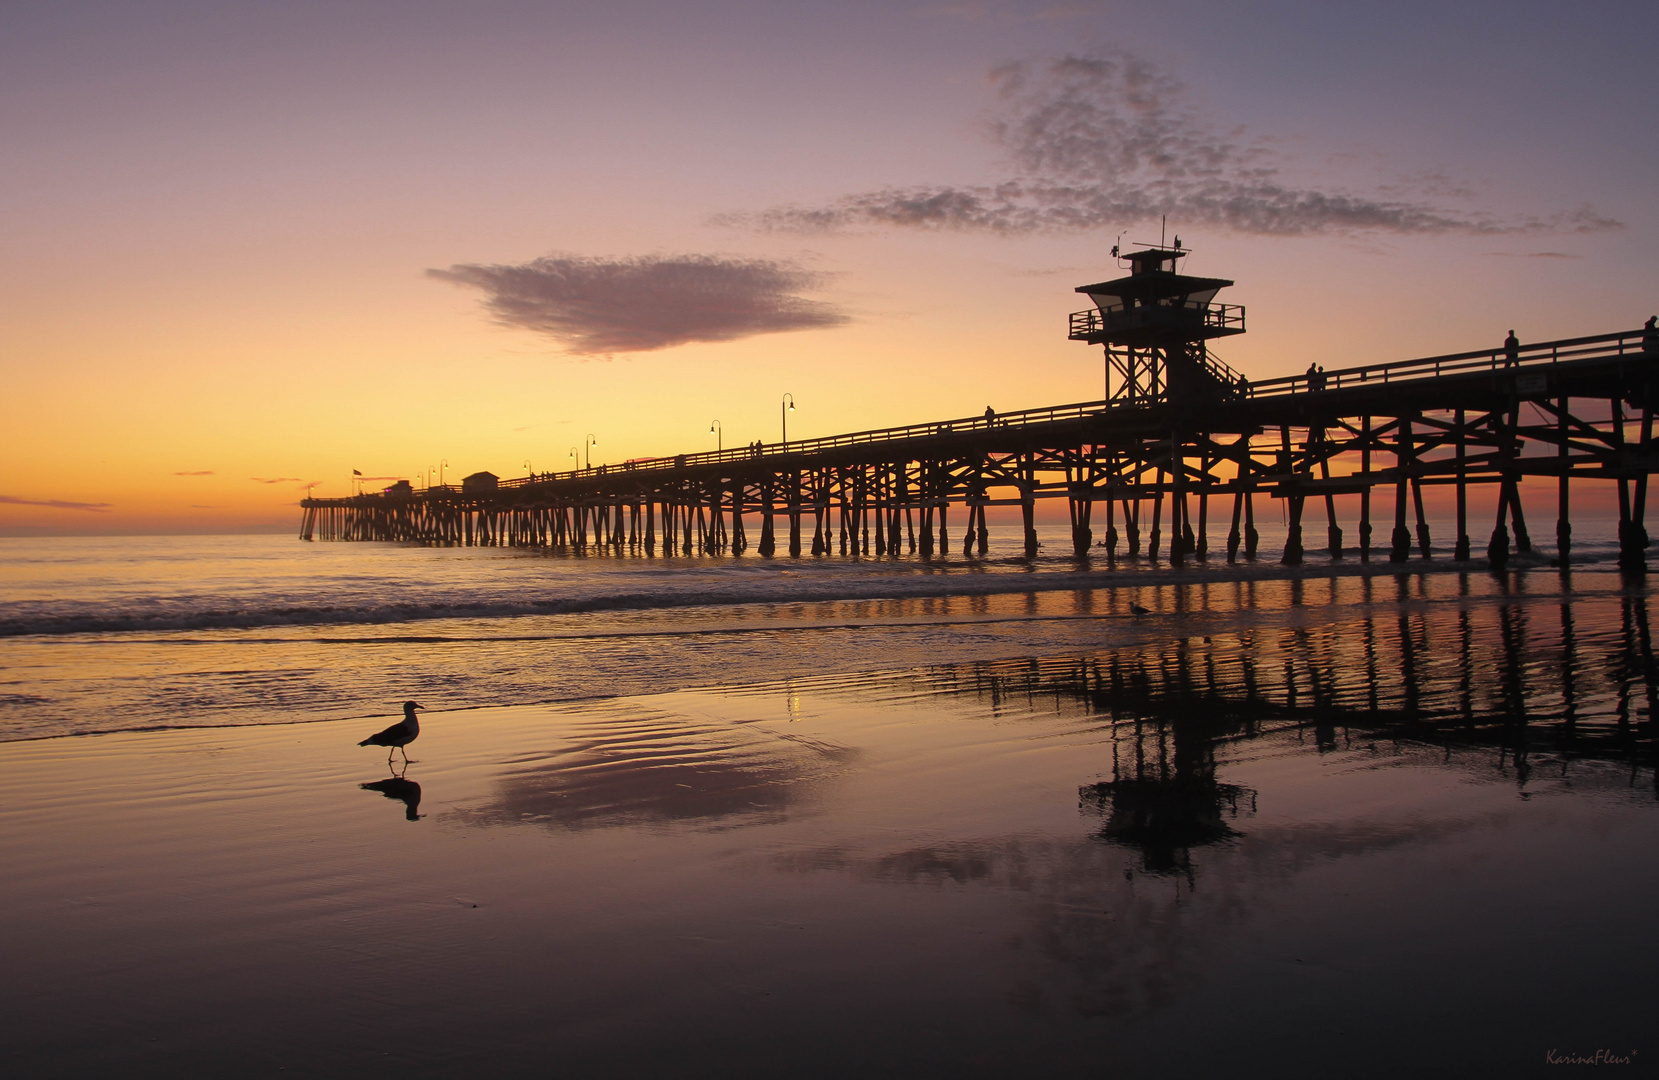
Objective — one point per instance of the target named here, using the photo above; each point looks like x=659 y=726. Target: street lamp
x=587 y=449
x=529 y=468
x=785 y=407
x=443 y=463
x=719 y=435
x=575 y=460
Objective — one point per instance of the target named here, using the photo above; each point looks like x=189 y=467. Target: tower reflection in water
x=1506 y=685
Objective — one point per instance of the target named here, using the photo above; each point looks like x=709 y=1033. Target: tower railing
x=1188 y=316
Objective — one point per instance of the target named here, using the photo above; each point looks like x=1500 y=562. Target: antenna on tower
x=1163 y=226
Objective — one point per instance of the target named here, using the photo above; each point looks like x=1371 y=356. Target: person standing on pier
x=1511 y=350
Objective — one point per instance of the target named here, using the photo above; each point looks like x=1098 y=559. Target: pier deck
x=1574 y=409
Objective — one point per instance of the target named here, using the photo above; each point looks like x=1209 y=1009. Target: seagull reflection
x=405 y=791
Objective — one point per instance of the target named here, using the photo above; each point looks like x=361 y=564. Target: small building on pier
x=480 y=481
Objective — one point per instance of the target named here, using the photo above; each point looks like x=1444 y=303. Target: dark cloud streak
x=1107 y=141
x=57 y=504
x=600 y=306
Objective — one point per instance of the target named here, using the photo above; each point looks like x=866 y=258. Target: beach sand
x=903 y=875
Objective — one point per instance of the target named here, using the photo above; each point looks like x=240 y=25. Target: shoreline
x=1131 y=632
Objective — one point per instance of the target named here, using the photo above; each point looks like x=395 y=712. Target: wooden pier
x=1181 y=448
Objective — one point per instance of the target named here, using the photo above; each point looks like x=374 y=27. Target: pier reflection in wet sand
x=1390 y=823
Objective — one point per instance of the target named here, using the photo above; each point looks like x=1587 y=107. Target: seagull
x=400 y=734
x=1135 y=608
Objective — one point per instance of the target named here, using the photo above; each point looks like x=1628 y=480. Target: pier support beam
x=1082 y=538
x=1400 y=546
x=1461 y=552
x=1233 y=536
x=1293 y=537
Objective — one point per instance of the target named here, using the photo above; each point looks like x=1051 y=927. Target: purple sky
x=290 y=239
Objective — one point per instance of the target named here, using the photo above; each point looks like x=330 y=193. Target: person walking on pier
x=990 y=416
x=1650 y=336
x=1511 y=350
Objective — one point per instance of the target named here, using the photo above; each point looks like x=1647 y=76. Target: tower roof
x=1153 y=278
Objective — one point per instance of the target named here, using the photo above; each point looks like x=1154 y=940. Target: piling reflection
x=1504 y=686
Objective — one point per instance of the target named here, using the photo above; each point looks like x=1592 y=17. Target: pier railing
x=1629 y=344
x=964 y=425
x=1632 y=343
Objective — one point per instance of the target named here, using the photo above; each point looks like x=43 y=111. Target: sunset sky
x=254 y=246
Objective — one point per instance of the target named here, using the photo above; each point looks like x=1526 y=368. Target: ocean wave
x=69 y=618
x=105 y=620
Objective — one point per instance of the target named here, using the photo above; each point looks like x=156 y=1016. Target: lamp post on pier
x=575 y=459
x=529 y=468
x=587 y=449
x=785 y=407
x=443 y=463
x=719 y=434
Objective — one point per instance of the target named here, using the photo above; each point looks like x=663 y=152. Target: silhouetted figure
x=1650 y=336
x=400 y=734
x=1511 y=350
x=990 y=415
x=405 y=791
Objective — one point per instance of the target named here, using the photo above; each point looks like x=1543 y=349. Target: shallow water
x=1261 y=853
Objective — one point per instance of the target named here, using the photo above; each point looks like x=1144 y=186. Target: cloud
x=1107 y=140
x=57 y=504
x=600 y=306
x=1534 y=255
x=277 y=480
x=201 y=472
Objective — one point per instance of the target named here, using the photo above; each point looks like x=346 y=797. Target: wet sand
x=913 y=874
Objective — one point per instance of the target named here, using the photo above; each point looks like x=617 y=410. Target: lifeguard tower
x=1155 y=325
